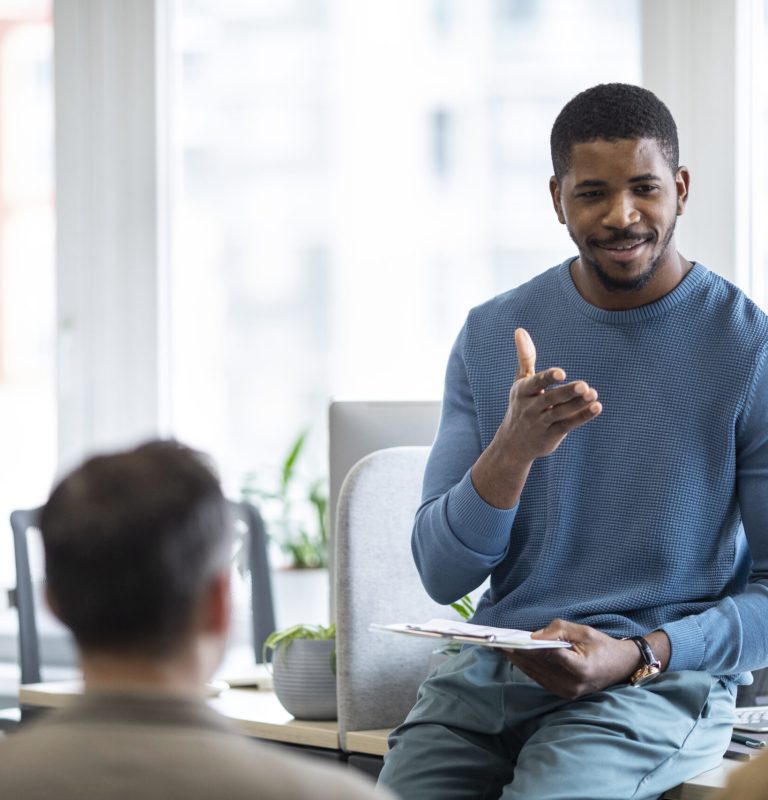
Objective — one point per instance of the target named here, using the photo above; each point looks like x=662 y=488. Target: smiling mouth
x=623 y=245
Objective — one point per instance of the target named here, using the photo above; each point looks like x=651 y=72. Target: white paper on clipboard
x=470 y=633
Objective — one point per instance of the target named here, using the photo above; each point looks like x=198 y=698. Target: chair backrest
x=359 y=427
x=22 y=522
x=262 y=606
x=378 y=673
x=26 y=520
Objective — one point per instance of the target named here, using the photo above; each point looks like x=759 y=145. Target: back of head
x=612 y=111
x=131 y=542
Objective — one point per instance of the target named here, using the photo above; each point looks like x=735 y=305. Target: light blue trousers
x=483 y=729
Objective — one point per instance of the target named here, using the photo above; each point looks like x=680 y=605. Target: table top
x=373 y=742
x=253 y=712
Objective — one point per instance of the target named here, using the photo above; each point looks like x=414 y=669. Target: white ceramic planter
x=301 y=597
x=303 y=678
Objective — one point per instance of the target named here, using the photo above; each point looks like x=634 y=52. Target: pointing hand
x=539 y=418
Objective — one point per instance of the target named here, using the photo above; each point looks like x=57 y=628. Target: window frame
x=113 y=80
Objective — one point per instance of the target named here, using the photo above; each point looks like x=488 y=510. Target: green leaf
x=284 y=637
x=318 y=496
x=290 y=462
x=286 y=500
x=464 y=607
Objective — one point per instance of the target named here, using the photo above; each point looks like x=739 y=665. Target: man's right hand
x=536 y=422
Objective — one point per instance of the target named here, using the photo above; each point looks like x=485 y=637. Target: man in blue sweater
x=604 y=495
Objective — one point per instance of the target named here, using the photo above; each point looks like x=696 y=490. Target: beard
x=612 y=284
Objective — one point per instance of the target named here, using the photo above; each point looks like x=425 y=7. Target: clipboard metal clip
x=458 y=635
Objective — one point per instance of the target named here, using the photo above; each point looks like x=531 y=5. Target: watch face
x=645 y=674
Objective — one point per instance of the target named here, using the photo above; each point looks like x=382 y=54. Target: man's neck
x=663 y=282
x=179 y=676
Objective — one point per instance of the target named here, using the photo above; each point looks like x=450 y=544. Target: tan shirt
x=748 y=783
x=125 y=747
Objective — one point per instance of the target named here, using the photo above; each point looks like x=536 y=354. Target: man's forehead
x=614 y=155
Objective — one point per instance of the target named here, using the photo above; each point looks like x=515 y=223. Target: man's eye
x=646 y=188
x=589 y=195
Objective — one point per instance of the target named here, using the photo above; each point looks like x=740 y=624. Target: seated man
x=137 y=551
x=603 y=491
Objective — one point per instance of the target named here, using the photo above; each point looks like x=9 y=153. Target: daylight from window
x=27 y=311
x=355 y=175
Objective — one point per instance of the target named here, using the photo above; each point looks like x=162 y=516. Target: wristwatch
x=651 y=665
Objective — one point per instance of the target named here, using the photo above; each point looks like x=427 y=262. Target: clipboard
x=469 y=633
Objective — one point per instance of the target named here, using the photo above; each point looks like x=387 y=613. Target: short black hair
x=612 y=111
x=131 y=541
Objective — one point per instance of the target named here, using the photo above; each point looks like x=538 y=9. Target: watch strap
x=651 y=666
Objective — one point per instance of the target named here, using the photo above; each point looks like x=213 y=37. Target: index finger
x=526 y=353
x=537 y=383
x=560 y=629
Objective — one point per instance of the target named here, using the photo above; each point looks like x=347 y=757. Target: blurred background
x=332 y=185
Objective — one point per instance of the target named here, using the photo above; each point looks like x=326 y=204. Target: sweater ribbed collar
x=687 y=285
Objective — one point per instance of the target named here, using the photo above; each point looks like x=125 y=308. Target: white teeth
x=625 y=247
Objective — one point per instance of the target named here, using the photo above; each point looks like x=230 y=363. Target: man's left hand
x=594 y=661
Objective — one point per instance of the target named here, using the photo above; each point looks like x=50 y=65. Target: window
x=27 y=310
x=356 y=175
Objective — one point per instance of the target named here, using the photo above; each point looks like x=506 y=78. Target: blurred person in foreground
x=750 y=782
x=137 y=550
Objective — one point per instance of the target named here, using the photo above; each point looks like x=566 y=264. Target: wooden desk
x=253 y=712
x=259 y=714
x=372 y=743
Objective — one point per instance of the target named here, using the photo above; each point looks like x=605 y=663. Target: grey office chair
x=378 y=674
x=22 y=522
x=23 y=596
x=262 y=606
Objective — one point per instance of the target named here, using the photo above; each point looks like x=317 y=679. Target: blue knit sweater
x=633 y=523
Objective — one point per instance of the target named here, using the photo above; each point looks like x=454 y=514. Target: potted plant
x=304 y=669
x=294 y=508
x=465 y=609
x=295 y=512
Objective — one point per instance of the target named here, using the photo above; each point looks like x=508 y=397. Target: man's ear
x=682 y=184
x=217 y=604
x=554 y=190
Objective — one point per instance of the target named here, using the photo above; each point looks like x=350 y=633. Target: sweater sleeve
x=457 y=537
x=731 y=637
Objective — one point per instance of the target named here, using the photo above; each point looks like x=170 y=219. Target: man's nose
x=621 y=213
